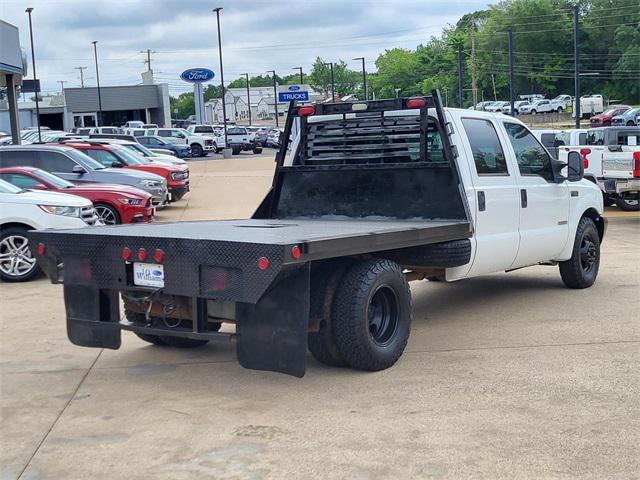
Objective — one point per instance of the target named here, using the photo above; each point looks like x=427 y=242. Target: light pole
x=333 y=83
x=224 y=107
x=35 y=80
x=301 y=74
x=364 y=78
x=275 y=96
x=576 y=63
x=248 y=97
x=95 y=55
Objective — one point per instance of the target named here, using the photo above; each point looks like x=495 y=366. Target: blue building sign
x=293 y=93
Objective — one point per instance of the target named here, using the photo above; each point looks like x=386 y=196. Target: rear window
x=203 y=129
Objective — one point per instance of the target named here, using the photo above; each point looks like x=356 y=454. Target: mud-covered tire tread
x=349 y=307
x=571 y=270
x=324 y=283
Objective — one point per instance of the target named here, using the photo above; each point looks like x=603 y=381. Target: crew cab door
x=494 y=189
x=544 y=204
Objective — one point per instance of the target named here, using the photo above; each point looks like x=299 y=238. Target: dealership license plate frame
x=151 y=279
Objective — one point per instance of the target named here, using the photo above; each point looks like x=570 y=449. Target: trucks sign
x=293 y=93
x=197 y=75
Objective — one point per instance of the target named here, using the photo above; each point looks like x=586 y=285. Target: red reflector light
x=158 y=255
x=636 y=164
x=296 y=253
x=126 y=254
x=41 y=248
x=142 y=254
x=263 y=263
x=416 y=103
x=306 y=111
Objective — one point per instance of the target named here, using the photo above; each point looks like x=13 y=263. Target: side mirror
x=116 y=165
x=575 y=171
x=78 y=169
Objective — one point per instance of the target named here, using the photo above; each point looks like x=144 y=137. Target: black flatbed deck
x=322 y=238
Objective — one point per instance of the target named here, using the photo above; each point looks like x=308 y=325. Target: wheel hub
x=15 y=257
x=588 y=253
x=382 y=315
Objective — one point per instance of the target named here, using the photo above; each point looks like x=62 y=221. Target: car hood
x=38 y=197
x=601 y=117
x=109 y=188
x=131 y=174
x=167 y=160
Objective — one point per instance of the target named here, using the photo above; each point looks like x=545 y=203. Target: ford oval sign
x=294 y=88
x=197 y=75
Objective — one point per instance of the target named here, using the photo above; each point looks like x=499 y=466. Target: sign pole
x=224 y=107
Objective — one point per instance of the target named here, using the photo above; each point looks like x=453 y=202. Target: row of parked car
x=79 y=182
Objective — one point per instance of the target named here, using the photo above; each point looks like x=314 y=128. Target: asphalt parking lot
x=505 y=376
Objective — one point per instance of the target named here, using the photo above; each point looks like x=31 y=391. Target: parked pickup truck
x=371 y=195
x=200 y=144
x=240 y=139
x=611 y=159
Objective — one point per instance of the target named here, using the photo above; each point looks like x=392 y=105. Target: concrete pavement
x=506 y=376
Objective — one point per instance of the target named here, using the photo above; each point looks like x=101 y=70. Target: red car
x=604 y=119
x=113 y=203
x=113 y=155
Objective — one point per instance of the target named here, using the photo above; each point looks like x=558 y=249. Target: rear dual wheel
x=628 y=201
x=370 y=317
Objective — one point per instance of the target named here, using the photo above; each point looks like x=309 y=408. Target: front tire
x=196 y=150
x=630 y=123
x=107 y=214
x=581 y=270
x=628 y=201
x=534 y=112
x=17 y=263
x=372 y=314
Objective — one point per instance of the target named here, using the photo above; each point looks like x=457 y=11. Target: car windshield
x=130 y=157
x=6 y=187
x=139 y=149
x=57 y=182
x=84 y=160
x=610 y=111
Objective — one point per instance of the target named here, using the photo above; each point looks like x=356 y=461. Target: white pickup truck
x=361 y=204
x=542 y=106
x=200 y=144
x=611 y=157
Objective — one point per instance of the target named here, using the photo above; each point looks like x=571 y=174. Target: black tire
x=324 y=283
x=196 y=150
x=108 y=214
x=445 y=255
x=630 y=123
x=17 y=262
x=372 y=314
x=628 y=201
x=581 y=270
x=257 y=150
x=533 y=112
x=559 y=110
x=152 y=339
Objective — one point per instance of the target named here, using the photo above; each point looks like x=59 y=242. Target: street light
x=248 y=96
x=224 y=107
x=95 y=55
x=333 y=84
x=301 y=74
x=35 y=81
x=275 y=96
x=364 y=78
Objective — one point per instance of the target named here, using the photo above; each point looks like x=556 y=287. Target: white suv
x=23 y=210
x=200 y=144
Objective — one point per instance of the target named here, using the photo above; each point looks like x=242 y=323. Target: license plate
x=148 y=274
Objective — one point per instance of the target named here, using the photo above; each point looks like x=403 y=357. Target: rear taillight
x=636 y=164
x=41 y=248
x=126 y=254
x=584 y=152
x=142 y=254
x=158 y=255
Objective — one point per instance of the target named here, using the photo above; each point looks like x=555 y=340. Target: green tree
x=346 y=81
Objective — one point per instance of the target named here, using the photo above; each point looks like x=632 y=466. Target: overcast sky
x=257 y=35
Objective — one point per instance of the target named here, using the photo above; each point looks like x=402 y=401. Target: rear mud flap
x=272 y=334
x=92 y=316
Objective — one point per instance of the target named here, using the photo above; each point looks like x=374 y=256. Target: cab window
x=532 y=158
x=104 y=157
x=487 y=151
x=56 y=162
x=16 y=158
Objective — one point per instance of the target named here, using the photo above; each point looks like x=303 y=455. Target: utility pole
x=62 y=82
x=333 y=83
x=364 y=78
x=95 y=54
x=81 y=75
x=460 y=76
x=275 y=96
x=248 y=97
x=576 y=61
x=511 y=81
x=148 y=51
x=301 y=74
x=224 y=106
x=493 y=81
x=474 y=72
x=35 y=81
